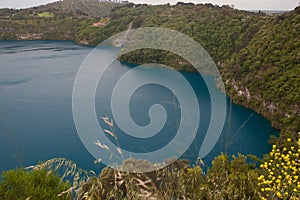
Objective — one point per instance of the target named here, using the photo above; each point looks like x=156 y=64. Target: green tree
x=20 y=184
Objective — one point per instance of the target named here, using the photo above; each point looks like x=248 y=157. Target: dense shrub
x=21 y=184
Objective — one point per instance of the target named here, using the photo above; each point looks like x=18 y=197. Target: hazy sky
x=241 y=4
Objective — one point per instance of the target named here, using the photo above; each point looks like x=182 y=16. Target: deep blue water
x=36 y=122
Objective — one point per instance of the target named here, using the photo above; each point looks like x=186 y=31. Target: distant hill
x=61 y=20
x=90 y=8
x=75 y=8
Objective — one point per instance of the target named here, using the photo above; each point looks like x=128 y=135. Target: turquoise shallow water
x=36 y=122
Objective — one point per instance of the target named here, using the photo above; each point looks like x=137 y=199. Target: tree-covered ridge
x=40 y=28
x=62 y=20
x=71 y=8
x=82 y=8
x=220 y=30
x=265 y=75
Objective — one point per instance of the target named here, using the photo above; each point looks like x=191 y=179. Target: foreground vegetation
x=22 y=184
x=227 y=178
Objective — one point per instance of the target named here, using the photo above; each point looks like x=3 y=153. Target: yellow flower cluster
x=280 y=178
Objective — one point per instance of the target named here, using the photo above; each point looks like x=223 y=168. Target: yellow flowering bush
x=280 y=177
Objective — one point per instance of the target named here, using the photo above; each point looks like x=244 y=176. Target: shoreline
x=275 y=124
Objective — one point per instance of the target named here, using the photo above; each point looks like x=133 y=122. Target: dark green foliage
x=235 y=179
x=21 y=184
x=41 y=29
x=269 y=67
x=220 y=30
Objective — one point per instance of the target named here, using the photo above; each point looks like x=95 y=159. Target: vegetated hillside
x=89 y=8
x=60 y=20
x=265 y=75
x=75 y=8
x=220 y=30
x=41 y=28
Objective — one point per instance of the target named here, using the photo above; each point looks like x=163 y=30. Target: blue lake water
x=36 y=122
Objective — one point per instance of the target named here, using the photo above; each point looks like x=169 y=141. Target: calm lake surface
x=36 y=122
